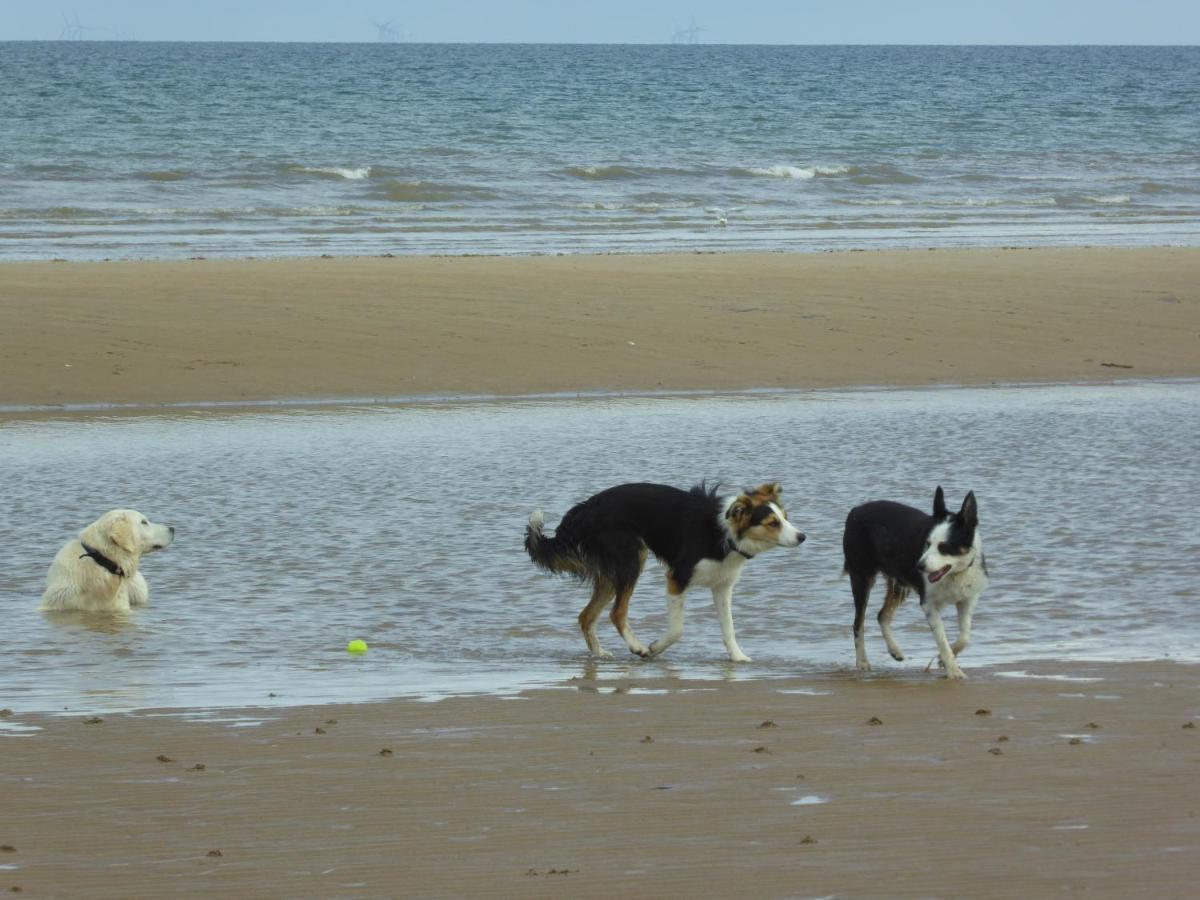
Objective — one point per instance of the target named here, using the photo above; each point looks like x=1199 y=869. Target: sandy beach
x=207 y=330
x=901 y=784
x=1079 y=780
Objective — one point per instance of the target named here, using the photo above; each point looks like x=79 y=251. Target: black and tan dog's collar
x=101 y=560
x=731 y=547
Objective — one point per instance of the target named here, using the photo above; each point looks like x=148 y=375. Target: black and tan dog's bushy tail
x=552 y=553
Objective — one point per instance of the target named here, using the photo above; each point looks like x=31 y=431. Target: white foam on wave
x=803 y=173
x=355 y=174
x=784 y=172
x=1114 y=199
x=948 y=202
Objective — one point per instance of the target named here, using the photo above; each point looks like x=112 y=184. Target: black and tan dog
x=702 y=538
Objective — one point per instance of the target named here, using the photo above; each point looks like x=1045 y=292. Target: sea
x=130 y=150
x=300 y=529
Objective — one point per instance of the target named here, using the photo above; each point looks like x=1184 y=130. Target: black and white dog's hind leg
x=896 y=594
x=860 y=587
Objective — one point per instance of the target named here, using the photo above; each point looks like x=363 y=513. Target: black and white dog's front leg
x=723 y=600
x=966 y=610
x=945 y=652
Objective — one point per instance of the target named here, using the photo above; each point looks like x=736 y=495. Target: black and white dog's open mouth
x=938 y=575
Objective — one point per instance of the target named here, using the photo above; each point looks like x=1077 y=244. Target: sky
x=613 y=21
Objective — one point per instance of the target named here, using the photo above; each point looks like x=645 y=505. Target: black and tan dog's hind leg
x=620 y=610
x=602 y=595
x=896 y=594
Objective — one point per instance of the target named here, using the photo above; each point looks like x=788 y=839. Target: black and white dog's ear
x=939 y=504
x=970 y=511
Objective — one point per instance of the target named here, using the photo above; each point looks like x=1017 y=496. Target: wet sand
x=208 y=330
x=901 y=784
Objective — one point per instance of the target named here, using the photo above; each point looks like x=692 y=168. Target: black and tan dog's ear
x=739 y=511
x=939 y=504
x=970 y=511
x=768 y=491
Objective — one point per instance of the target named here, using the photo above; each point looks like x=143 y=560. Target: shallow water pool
x=300 y=529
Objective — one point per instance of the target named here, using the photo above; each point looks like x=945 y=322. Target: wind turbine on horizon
x=387 y=32
x=689 y=35
x=74 y=30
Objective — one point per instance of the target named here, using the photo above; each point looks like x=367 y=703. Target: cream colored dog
x=98 y=572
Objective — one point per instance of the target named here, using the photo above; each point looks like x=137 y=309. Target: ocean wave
x=177 y=214
x=601 y=173
x=873 y=175
x=163 y=175
x=62 y=212
x=949 y=202
x=1076 y=200
x=988 y=202
x=797 y=172
x=802 y=173
x=676 y=199
x=883 y=174
x=280 y=212
x=432 y=192
x=438 y=150
x=60 y=171
x=355 y=174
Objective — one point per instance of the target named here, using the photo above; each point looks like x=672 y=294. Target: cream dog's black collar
x=101 y=560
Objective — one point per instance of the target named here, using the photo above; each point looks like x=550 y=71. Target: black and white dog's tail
x=553 y=554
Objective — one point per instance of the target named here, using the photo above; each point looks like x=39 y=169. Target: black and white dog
x=939 y=556
x=703 y=540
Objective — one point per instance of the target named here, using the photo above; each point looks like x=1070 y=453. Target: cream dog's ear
x=120 y=533
x=96 y=534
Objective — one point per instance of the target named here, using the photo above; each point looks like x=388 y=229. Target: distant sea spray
x=306 y=149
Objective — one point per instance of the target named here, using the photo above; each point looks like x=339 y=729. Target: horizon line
x=133 y=40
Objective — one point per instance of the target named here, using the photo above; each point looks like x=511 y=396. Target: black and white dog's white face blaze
x=953 y=545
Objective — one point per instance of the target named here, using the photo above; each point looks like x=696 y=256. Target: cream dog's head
x=124 y=536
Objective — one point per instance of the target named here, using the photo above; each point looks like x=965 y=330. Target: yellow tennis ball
x=356 y=646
